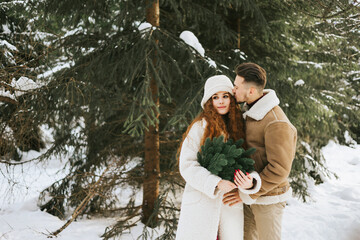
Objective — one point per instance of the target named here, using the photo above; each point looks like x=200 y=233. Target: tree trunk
x=152 y=146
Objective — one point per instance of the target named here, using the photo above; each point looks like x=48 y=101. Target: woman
x=203 y=215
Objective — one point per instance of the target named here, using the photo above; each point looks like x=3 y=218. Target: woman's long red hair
x=230 y=125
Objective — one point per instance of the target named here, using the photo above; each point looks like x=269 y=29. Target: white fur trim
x=246 y=198
x=244 y=193
x=263 y=106
x=266 y=200
x=255 y=188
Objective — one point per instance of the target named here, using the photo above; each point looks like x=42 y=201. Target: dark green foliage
x=98 y=105
x=224 y=158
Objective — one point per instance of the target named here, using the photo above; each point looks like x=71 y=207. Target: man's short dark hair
x=252 y=72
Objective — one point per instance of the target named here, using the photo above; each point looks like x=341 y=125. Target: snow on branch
x=7 y=49
x=299 y=82
x=190 y=39
x=9 y=92
x=58 y=67
x=315 y=64
x=8 y=45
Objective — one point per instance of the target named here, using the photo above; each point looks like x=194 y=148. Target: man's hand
x=232 y=197
x=226 y=186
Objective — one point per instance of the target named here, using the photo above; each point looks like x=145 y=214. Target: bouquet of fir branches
x=224 y=158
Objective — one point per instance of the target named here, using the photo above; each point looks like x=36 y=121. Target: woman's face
x=221 y=102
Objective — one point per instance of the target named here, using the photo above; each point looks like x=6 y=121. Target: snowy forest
x=102 y=91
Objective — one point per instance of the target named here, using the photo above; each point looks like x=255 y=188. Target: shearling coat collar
x=263 y=106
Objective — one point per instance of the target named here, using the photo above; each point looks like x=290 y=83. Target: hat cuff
x=214 y=90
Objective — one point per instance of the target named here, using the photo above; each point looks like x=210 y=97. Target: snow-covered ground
x=333 y=213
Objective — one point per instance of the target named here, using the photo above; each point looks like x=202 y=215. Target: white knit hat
x=216 y=84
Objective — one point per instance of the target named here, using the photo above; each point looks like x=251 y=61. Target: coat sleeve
x=280 y=146
x=195 y=175
x=244 y=193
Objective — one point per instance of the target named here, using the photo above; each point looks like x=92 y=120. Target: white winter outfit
x=203 y=215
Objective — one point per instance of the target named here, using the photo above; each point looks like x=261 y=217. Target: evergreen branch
x=8 y=100
x=83 y=204
x=17 y=163
x=222 y=159
x=328 y=9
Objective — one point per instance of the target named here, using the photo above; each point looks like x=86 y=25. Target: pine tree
x=22 y=53
x=326 y=106
x=100 y=104
x=104 y=104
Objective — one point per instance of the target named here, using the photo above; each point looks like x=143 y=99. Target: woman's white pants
x=231 y=225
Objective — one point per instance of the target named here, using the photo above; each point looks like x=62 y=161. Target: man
x=274 y=137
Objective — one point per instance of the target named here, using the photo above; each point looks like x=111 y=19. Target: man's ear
x=252 y=90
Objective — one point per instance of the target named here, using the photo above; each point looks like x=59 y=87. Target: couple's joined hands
x=231 y=195
x=241 y=180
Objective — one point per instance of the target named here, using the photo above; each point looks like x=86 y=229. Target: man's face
x=241 y=90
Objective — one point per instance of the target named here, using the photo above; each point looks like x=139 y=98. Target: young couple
x=212 y=208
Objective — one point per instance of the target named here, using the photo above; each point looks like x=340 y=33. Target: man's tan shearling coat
x=274 y=137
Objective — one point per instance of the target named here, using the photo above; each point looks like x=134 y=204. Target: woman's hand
x=226 y=186
x=242 y=181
